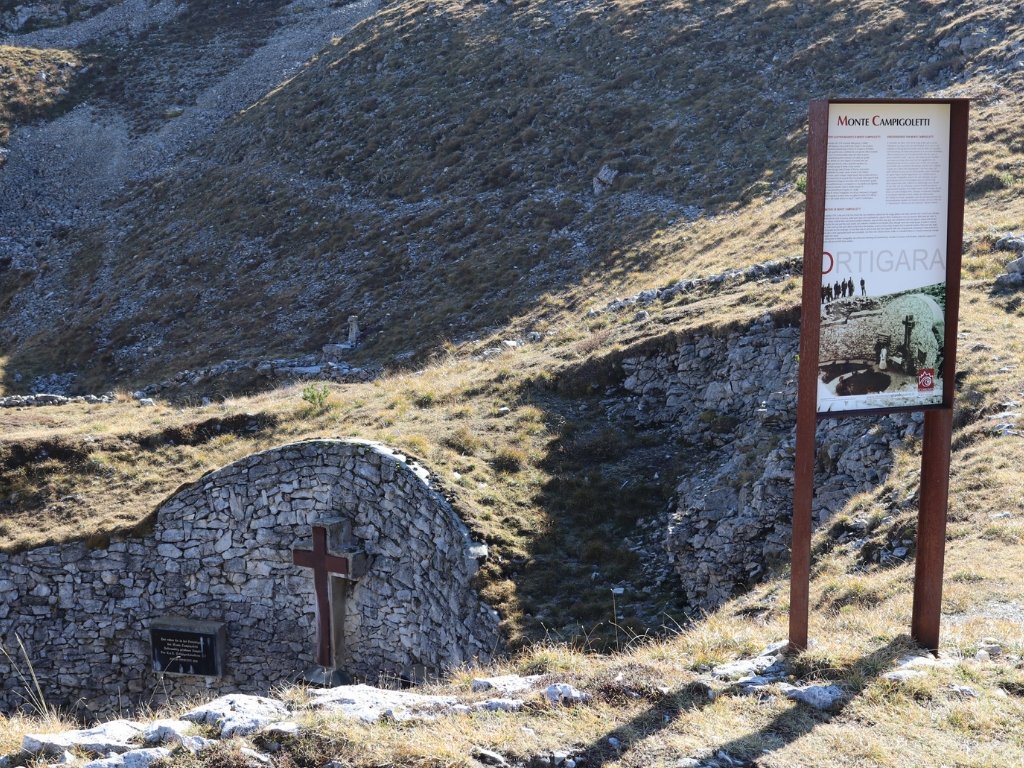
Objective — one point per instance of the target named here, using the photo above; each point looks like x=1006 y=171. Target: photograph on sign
x=883 y=292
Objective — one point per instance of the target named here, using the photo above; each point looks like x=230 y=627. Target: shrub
x=316 y=395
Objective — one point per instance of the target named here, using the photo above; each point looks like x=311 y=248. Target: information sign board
x=883 y=235
x=884 y=265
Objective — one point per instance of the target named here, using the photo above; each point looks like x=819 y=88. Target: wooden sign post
x=883 y=235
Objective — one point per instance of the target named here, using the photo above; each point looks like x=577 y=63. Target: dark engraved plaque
x=187 y=647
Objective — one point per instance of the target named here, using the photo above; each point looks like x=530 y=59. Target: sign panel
x=883 y=289
x=883 y=235
x=186 y=647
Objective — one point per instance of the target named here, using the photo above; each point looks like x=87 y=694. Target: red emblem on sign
x=925 y=379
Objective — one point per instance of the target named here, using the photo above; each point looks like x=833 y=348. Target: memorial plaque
x=188 y=647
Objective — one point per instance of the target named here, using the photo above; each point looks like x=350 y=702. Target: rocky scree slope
x=151 y=80
x=446 y=167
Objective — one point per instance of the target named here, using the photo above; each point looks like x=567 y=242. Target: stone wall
x=731 y=398
x=221 y=550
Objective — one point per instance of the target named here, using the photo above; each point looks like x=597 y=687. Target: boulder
x=238 y=714
x=823 y=697
x=115 y=736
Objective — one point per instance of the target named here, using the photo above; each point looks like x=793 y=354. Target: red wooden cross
x=322 y=562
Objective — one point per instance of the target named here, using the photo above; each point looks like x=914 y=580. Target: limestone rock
x=369 y=704
x=166 y=731
x=282 y=730
x=823 y=697
x=505 y=684
x=116 y=736
x=196 y=744
x=926 y=661
x=136 y=758
x=1010 y=242
x=903 y=675
x=964 y=691
x=565 y=694
x=742 y=668
x=238 y=714
x=992 y=647
x=487 y=756
x=604 y=178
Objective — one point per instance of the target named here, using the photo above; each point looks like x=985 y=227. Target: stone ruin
x=731 y=399
x=215 y=600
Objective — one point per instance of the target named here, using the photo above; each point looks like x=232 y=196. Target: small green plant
x=316 y=395
x=801 y=184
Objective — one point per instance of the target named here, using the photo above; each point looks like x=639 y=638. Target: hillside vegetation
x=433 y=172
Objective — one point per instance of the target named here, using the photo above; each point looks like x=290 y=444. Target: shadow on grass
x=746 y=750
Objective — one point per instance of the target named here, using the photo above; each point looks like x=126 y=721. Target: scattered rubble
x=27 y=401
x=775 y=271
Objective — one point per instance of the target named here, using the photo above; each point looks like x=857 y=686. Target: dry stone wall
x=731 y=397
x=221 y=550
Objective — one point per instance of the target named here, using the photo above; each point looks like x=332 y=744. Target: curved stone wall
x=221 y=550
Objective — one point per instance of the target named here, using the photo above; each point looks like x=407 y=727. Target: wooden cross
x=322 y=562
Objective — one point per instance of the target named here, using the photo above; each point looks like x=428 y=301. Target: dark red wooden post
x=322 y=562
x=938 y=425
x=807 y=404
x=931 y=529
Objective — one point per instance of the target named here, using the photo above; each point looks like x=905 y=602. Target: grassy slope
x=646 y=696
x=432 y=173
x=32 y=81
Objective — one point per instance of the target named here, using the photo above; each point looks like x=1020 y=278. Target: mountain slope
x=433 y=171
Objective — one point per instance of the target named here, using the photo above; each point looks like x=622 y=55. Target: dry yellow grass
x=32 y=81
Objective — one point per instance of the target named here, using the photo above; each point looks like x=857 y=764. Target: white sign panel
x=883 y=292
